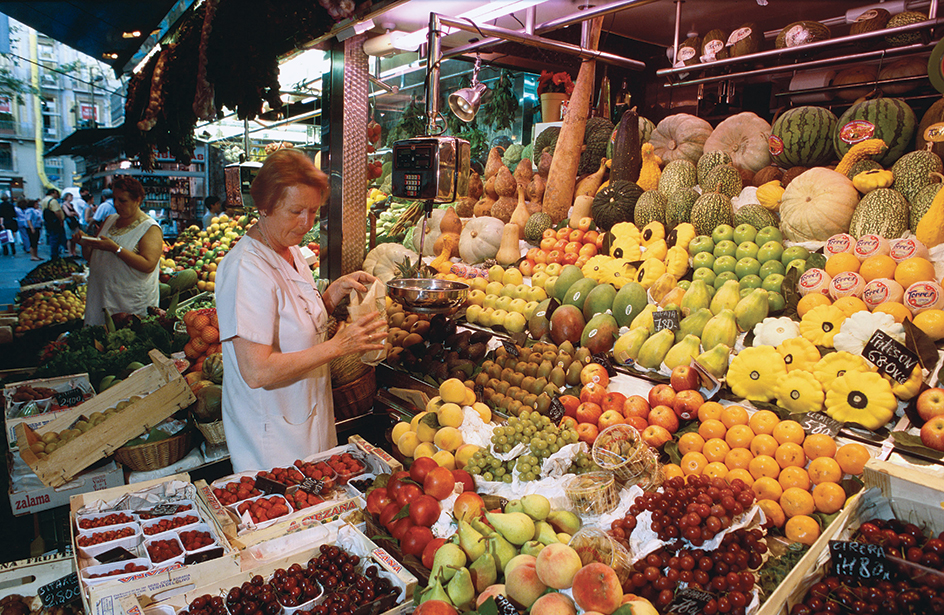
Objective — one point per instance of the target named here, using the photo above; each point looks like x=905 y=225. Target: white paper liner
x=474 y=430
x=163 y=493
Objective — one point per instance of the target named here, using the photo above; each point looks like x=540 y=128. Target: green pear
x=535 y=506
x=448 y=558
x=482 y=528
x=544 y=533
x=471 y=541
x=502 y=550
x=435 y=591
x=564 y=537
x=516 y=527
x=461 y=590
x=564 y=521
x=514 y=506
x=484 y=572
x=532 y=547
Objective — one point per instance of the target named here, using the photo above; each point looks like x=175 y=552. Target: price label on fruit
x=688 y=601
x=61 y=591
x=505 y=607
x=666 y=319
x=890 y=356
x=817 y=422
x=510 y=348
x=934 y=133
x=72 y=397
x=859 y=559
x=555 y=411
x=311 y=485
x=266 y=485
x=605 y=362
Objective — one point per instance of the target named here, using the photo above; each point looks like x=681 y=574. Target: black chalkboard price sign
x=666 y=319
x=688 y=601
x=311 y=485
x=267 y=485
x=858 y=559
x=505 y=607
x=61 y=591
x=555 y=411
x=164 y=510
x=72 y=397
x=604 y=360
x=890 y=356
x=818 y=423
x=510 y=348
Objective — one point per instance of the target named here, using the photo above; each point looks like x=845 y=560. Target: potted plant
x=553 y=90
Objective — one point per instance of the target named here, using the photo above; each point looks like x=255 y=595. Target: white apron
x=262 y=298
x=113 y=284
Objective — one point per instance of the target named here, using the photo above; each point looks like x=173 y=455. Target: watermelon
x=803 y=137
x=881 y=212
x=710 y=210
x=888 y=119
x=756 y=215
x=650 y=207
x=913 y=172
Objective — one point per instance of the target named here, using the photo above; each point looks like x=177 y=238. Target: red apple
x=589 y=412
x=684 y=378
x=932 y=433
x=465 y=479
x=655 y=436
x=639 y=423
x=636 y=405
x=610 y=417
x=593 y=393
x=568 y=422
x=687 y=403
x=661 y=395
x=570 y=403
x=587 y=432
x=594 y=372
x=931 y=403
x=469 y=505
x=526 y=267
x=429 y=553
x=613 y=400
x=665 y=417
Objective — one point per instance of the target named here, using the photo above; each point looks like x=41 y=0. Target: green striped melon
x=678 y=207
x=922 y=203
x=678 y=174
x=861 y=166
x=757 y=216
x=880 y=212
x=708 y=161
x=711 y=210
x=725 y=179
x=803 y=137
x=888 y=119
x=650 y=207
x=913 y=172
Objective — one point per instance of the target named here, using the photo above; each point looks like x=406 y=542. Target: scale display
x=431 y=168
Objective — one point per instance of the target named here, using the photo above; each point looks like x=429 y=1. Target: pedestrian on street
x=20 y=208
x=34 y=220
x=8 y=222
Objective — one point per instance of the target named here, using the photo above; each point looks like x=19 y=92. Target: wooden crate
x=163 y=391
x=914 y=497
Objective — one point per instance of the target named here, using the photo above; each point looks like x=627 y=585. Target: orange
x=764 y=445
x=715 y=469
x=802 y=529
x=712 y=428
x=824 y=469
x=792 y=476
x=796 y=501
x=763 y=465
x=690 y=442
x=828 y=497
x=897 y=310
x=790 y=455
x=739 y=436
x=850 y=305
x=734 y=415
x=738 y=459
x=763 y=422
x=709 y=410
x=740 y=473
x=811 y=301
x=693 y=463
x=767 y=488
x=878 y=266
x=819 y=445
x=931 y=322
x=716 y=449
x=773 y=512
x=852 y=457
x=914 y=269
x=842 y=262
x=671 y=470
x=789 y=431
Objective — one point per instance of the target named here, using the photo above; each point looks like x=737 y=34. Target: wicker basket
x=213 y=432
x=356 y=397
x=153 y=456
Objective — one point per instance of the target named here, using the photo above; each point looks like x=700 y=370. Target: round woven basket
x=355 y=397
x=153 y=456
x=213 y=432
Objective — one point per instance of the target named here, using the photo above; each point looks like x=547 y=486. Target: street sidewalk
x=15 y=268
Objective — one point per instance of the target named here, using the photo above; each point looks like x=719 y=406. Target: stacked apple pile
x=503 y=300
x=930 y=407
x=565 y=246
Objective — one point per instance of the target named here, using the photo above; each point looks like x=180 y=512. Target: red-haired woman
x=277 y=404
x=123 y=258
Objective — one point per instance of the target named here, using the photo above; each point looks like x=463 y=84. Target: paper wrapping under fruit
x=362 y=304
x=473 y=429
x=168 y=492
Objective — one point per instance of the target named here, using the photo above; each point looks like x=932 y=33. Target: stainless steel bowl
x=428 y=295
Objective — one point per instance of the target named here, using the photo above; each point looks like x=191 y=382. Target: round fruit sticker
x=856 y=131
x=837 y=244
x=870 y=14
x=922 y=296
x=775 y=145
x=739 y=35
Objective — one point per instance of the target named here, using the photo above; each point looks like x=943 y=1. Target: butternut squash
x=508 y=252
x=520 y=215
x=589 y=185
x=559 y=193
x=582 y=206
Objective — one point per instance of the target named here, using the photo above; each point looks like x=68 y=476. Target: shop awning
x=90 y=143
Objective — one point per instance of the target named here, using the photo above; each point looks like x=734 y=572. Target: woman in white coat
x=277 y=403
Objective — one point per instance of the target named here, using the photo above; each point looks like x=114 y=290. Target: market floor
x=15 y=268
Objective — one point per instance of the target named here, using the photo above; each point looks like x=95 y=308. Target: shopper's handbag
x=6 y=236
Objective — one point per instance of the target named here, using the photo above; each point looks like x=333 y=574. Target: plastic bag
x=362 y=304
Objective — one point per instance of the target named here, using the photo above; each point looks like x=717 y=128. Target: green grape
x=477 y=454
x=495 y=462
x=519 y=427
x=502 y=440
x=500 y=471
x=525 y=415
x=506 y=448
x=474 y=470
x=488 y=476
x=553 y=448
x=530 y=476
x=529 y=431
x=507 y=478
x=524 y=467
x=513 y=420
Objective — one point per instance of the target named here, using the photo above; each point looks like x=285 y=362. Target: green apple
x=553 y=269
x=794 y=253
x=512 y=276
x=489 y=302
x=706 y=275
x=509 y=290
x=776 y=301
x=751 y=281
x=748 y=249
x=724 y=263
x=725 y=247
x=535 y=293
x=772 y=283
x=746 y=291
x=702 y=243
x=496 y=273
x=746 y=266
x=529 y=309
x=517 y=305
x=721 y=232
x=476 y=297
x=770 y=251
x=685 y=284
x=771 y=267
x=498 y=317
x=473 y=313
x=515 y=322
x=703 y=259
x=768 y=233
x=503 y=303
x=522 y=291
x=798 y=264
x=494 y=288
x=724 y=277
x=744 y=232
x=538 y=279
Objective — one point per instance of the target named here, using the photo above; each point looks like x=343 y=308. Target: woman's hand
x=342 y=287
x=362 y=335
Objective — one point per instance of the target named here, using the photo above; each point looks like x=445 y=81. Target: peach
x=557 y=564
x=553 y=604
x=638 y=606
x=597 y=588
x=521 y=558
x=435 y=607
x=523 y=585
x=489 y=592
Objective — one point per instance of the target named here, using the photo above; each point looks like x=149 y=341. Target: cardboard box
x=50 y=407
x=161 y=391
x=40 y=497
x=104 y=597
x=24 y=577
x=910 y=494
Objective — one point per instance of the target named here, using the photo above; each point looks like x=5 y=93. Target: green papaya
x=577 y=293
x=696 y=298
x=599 y=300
x=715 y=361
x=693 y=324
x=627 y=347
x=721 y=329
x=164 y=290
x=752 y=309
x=629 y=302
x=726 y=297
x=655 y=348
x=683 y=352
x=644 y=319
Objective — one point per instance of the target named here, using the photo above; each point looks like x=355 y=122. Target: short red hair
x=128 y=184
x=283 y=169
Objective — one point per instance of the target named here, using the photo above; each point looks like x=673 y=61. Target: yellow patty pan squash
x=864 y=398
x=821 y=324
x=800 y=391
x=799 y=353
x=754 y=372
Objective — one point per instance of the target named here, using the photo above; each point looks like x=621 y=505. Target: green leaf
x=815 y=260
x=919 y=343
x=788 y=288
x=914 y=445
x=671 y=449
x=403 y=514
x=488 y=607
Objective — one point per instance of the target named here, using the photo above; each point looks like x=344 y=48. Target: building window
x=6 y=156
x=50 y=119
